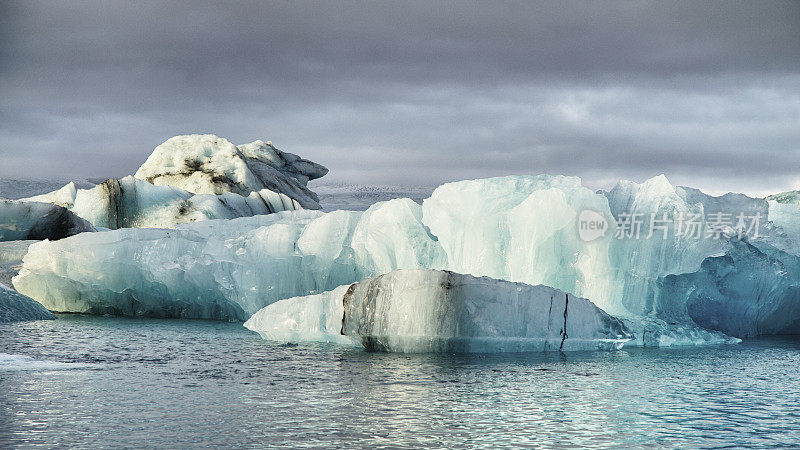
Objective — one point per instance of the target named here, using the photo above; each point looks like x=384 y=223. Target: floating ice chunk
x=209 y=164
x=311 y=318
x=23 y=220
x=438 y=311
x=225 y=269
x=15 y=307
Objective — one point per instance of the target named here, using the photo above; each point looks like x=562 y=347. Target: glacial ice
x=520 y=229
x=745 y=292
x=225 y=269
x=413 y=311
x=193 y=178
x=24 y=220
x=209 y=164
x=130 y=202
x=15 y=307
x=309 y=318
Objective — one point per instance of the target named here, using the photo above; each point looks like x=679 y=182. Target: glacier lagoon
x=116 y=382
x=132 y=374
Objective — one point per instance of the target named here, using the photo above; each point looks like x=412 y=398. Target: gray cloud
x=412 y=92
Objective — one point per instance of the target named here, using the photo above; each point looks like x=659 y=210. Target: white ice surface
x=310 y=318
x=209 y=164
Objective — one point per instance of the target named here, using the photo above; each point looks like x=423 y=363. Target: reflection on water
x=194 y=383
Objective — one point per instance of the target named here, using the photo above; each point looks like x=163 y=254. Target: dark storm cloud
x=403 y=92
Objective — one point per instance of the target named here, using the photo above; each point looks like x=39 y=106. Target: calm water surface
x=100 y=381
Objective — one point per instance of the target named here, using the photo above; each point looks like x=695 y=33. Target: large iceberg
x=130 y=202
x=225 y=269
x=414 y=311
x=524 y=229
x=27 y=220
x=15 y=307
x=209 y=164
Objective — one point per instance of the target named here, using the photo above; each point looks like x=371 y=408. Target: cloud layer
x=412 y=92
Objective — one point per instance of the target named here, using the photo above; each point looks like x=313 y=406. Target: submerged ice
x=415 y=311
x=670 y=288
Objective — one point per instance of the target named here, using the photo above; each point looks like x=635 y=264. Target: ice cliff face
x=520 y=229
x=23 y=220
x=134 y=203
x=209 y=164
x=15 y=307
x=416 y=311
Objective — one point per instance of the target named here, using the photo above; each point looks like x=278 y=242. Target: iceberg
x=209 y=164
x=309 y=318
x=15 y=307
x=525 y=229
x=193 y=178
x=225 y=269
x=130 y=202
x=23 y=220
x=413 y=311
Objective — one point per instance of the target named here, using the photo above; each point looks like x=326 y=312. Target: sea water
x=106 y=381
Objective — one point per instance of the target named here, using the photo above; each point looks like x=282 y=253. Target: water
x=355 y=197
x=16 y=189
x=102 y=381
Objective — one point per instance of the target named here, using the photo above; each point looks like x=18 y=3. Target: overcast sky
x=412 y=93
